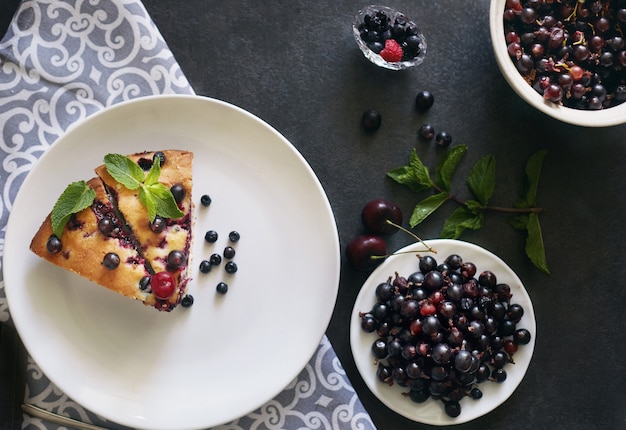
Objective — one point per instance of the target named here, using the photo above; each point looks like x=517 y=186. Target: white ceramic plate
x=432 y=412
x=226 y=355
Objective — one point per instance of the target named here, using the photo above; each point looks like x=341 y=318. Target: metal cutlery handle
x=34 y=411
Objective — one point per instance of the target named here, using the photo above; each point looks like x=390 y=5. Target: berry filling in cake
x=131 y=229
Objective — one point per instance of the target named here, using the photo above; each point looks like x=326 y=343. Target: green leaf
x=155 y=171
x=519 y=222
x=448 y=165
x=155 y=196
x=535 y=249
x=149 y=201
x=461 y=219
x=76 y=197
x=124 y=170
x=482 y=178
x=427 y=206
x=474 y=206
x=164 y=200
x=415 y=175
x=533 y=171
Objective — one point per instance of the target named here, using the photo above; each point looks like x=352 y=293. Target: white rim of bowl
x=585 y=118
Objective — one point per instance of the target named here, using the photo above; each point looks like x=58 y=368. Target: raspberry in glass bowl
x=388 y=38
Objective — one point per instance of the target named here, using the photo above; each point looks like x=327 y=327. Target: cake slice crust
x=113 y=243
x=84 y=247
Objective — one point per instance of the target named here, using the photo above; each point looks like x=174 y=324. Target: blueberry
x=54 y=245
x=222 y=287
x=426 y=131
x=215 y=259
x=158 y=225
x=176 y=259
x=231 y=267
x=234 y=236
x=371 y=120
x=161 y=156
x=144 y=283
x=229 y=252
x=205 y=200
x=424 y=100
x=443 y=139
x=106 y=226
x=187 y=301
x=211 y=236
x=205 y=266
x=376 y=47
x=179 y=192
x=111 y=260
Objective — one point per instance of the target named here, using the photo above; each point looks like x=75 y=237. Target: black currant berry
x=161 y=157
x=230 y=267
x=111 y=261
x=187 y=301
x=106 y=226
x=176 y=259
x=53 y=245
x=205 y=266
x=443 y=139
x=158 y=224
x=179 y=192
x=426 y=132
x=222 y=287
x=215 y=259
x=424 y=100
x=229 y=252
x=371 y=120
x=211 y=236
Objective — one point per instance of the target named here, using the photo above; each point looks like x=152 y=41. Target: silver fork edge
x=37 y=412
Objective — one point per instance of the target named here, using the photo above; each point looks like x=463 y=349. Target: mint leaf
x=148 y=200
x=415 y=175
x=156 y=197
x=482 y=178
x=165 y=204
x=474 y=206
x=124 y=170
x=155 y=171
x=533 y=171
x=427 y=206
x=534 y=244
x=519 y=222
x=448 y=165
x=462 y=218
x=76 y=197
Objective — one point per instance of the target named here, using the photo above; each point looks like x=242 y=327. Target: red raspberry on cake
x=392 y=53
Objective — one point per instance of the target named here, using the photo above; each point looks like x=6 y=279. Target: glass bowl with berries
x=388 y=38
x=567 y=58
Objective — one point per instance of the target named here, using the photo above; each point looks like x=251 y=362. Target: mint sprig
x=76 y=197
x=481 y=181
x=156 y=197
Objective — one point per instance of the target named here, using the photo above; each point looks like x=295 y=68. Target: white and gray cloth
x=63 y=60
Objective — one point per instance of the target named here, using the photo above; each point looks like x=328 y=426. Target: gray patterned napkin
x=61 y=61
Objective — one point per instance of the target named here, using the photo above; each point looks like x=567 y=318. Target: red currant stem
x=431 y=249
x=380 y=257
x=493 y=208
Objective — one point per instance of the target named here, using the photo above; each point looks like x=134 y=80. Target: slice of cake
x=95 y=245
x=164 y=242
x=115 y=240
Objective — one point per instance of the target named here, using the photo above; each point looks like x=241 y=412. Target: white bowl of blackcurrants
x=565 y=58
x=388 y=38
